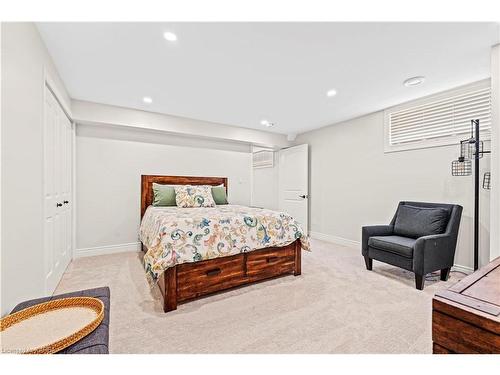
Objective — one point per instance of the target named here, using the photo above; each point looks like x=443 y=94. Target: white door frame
x=49 y=83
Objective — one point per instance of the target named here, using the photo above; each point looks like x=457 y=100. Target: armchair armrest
x=374 y=230
x=434 y=252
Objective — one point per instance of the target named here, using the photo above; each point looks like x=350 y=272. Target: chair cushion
x=402 y=246
x=415 y=222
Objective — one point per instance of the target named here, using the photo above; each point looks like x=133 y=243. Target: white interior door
x=58 y=134
x=293 y=183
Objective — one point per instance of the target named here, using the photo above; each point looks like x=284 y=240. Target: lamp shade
x=487 y=181
x=461 y=167
x=467 y=148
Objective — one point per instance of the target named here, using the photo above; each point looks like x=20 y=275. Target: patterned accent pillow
x=187 y=196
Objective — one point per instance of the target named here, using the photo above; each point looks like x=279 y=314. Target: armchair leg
x=368 y=263
x=445 y=273
x=419 y=281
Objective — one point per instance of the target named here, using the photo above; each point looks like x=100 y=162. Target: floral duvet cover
x=175 y=235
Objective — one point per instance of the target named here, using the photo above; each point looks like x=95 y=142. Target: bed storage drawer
x=197 y=279
x=265 y=263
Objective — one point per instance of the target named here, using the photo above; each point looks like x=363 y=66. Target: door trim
x=49 y=83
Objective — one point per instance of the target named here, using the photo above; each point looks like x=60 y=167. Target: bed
x=193 y=252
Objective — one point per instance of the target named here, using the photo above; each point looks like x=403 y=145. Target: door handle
x=213 y=272
x=271 y=259
x=58 y=204
x=304 y=196
x=66 y=202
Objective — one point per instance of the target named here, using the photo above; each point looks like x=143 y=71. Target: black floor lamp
x=472 y=149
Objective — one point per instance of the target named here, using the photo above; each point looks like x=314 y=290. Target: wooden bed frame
x=188 y=281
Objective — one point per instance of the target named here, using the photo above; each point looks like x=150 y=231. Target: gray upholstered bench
x=95 y=343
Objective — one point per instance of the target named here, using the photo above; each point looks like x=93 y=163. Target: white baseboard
x=109 y=249
x=357 y=245
x=464 y=269
x=336 y=240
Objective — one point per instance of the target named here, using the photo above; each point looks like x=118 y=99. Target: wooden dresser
x=466 y=317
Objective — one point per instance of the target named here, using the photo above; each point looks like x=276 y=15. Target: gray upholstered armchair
x=421 y=237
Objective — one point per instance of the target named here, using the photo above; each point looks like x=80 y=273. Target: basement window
x=438 y=120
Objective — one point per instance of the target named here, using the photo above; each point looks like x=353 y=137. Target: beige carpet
x=335 y=306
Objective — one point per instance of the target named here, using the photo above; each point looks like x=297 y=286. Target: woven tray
x=50 y=326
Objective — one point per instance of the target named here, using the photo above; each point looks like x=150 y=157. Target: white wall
x=110 y=161
x=265 y=184
x=495 y=152
x=354 y=183
x=24 y=59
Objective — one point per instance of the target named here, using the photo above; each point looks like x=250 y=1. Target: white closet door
x=57 y=191
x=293 y=183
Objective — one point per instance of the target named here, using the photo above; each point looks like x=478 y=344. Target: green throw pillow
x=219 y=194
x=163 y=195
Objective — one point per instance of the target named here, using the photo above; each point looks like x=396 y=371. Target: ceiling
x=242 y=73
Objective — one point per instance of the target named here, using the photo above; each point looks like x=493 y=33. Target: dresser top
x=487 y=288
x=477 y=295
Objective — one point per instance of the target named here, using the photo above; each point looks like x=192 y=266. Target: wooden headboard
x=147 y=185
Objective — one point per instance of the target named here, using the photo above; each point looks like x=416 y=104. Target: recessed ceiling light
x=147 y=100
x=267 y=123
x=414 y=81
x=331 y=92
x=170 y=36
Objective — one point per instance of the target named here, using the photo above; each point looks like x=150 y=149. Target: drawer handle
x=214 y=272
x=271 y=259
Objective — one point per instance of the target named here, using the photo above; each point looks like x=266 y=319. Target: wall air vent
x=263 y=159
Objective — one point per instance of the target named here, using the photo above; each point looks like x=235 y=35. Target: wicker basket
x=94 y=304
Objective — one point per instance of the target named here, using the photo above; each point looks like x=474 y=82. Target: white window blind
x=444 y=118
